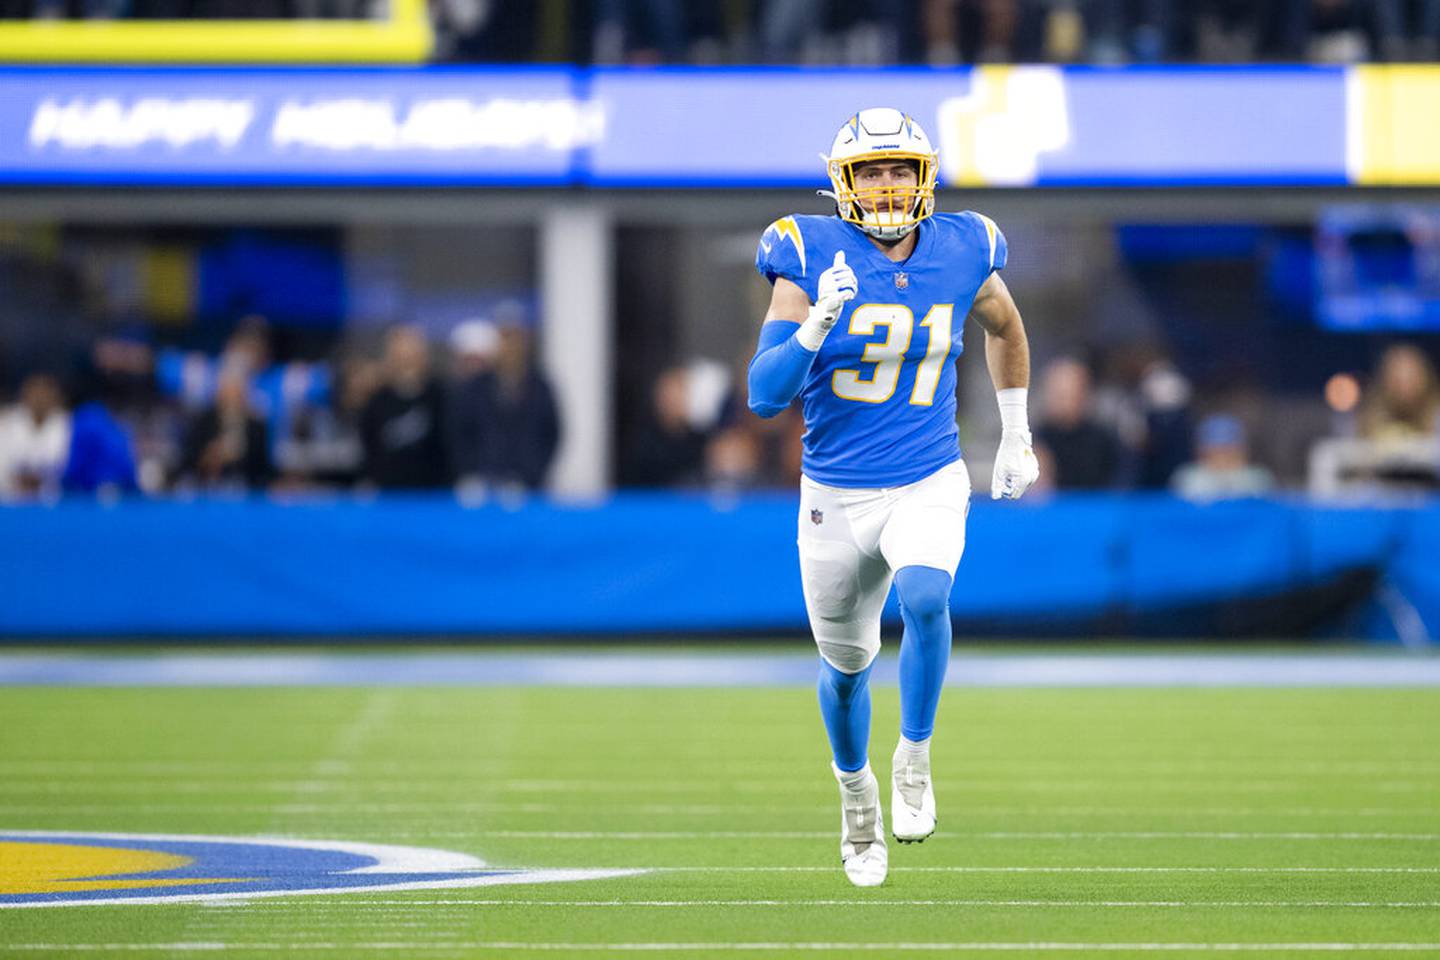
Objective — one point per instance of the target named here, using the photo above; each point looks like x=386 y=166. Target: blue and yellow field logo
x=59 y=869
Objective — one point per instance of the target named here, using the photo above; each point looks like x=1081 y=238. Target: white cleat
x=862 y=833
x=912 y=798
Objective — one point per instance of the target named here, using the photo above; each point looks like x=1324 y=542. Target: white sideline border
x=418 y=946
x=942 y=902
x=631 y=668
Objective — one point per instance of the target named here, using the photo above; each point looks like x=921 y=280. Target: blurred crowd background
x=1196 y=358
x=1211 y=358
x=861 y=32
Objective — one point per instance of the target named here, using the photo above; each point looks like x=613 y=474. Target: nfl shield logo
x=817 y=517
x=902 y=280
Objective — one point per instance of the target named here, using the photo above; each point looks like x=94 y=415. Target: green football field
x=1113 y=822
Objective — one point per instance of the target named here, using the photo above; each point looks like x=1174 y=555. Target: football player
x=864 y=326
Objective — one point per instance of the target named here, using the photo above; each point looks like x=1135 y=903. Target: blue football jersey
x=879 y=401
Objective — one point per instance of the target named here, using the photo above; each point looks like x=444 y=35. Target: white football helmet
x=881 y=133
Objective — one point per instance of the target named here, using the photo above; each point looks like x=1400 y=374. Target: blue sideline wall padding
x=652 y=562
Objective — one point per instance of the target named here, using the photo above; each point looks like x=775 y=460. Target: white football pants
x=852 y=540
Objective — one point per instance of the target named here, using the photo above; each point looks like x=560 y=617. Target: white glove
x=1015 y=466
x=837 y=286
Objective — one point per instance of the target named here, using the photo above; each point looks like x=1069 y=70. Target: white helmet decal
x=882 y=133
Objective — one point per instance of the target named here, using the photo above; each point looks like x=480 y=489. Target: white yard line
x=979 y=835
x=967 y=762
x=961 y=784
x=1187 y=904
x=52 y=801
x=1060 y=784
x=1009 y=869
x=419 y=946
x=60 y=804
x=94 y=769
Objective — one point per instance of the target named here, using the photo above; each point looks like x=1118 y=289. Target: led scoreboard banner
x=743 y=127
x=290 y=126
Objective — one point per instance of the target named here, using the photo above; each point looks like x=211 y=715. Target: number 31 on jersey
x=888 y=354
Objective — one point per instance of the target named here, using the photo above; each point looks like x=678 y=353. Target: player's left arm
x=1007 y=354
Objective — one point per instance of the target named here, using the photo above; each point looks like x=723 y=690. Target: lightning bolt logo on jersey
x=879 y=401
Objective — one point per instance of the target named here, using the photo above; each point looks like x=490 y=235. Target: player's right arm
x=792 y=334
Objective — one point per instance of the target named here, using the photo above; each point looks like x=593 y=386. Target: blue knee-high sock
x=845 y=705
x=925 y=650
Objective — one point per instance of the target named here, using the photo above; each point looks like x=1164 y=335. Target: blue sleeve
x=778 y=369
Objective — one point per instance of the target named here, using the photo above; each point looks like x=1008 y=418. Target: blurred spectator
x=102 y=454
x=948 y=26
x=1229 y=31
x=1126 y=30
x=1344 y=31
x=1405 y=401
x=1044 y=486
x=639 y=31
x=1164 y=396
x=34 y=440
x=1064 y=33
x=732 y=461
x=403 y=426
x=688 y=405
x=1085 y=455
x=88 y=9
x=227 y=447
x=248 y=350
x=1222 y=468
x=525 y=428
x=1146 y=401
x=857 y=32
x=102 y=458
x=121 y=366
x=784 y=26
x=191 y=376
x=125 y=363
x=780 y=447
x=498 y=32
x=322 y=448
x=470 y=417
x=1398 y=448
x=504 y=428
x=292 y=398
x=1427 y=31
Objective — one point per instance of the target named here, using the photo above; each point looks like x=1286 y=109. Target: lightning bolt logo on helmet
x=891 y=211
